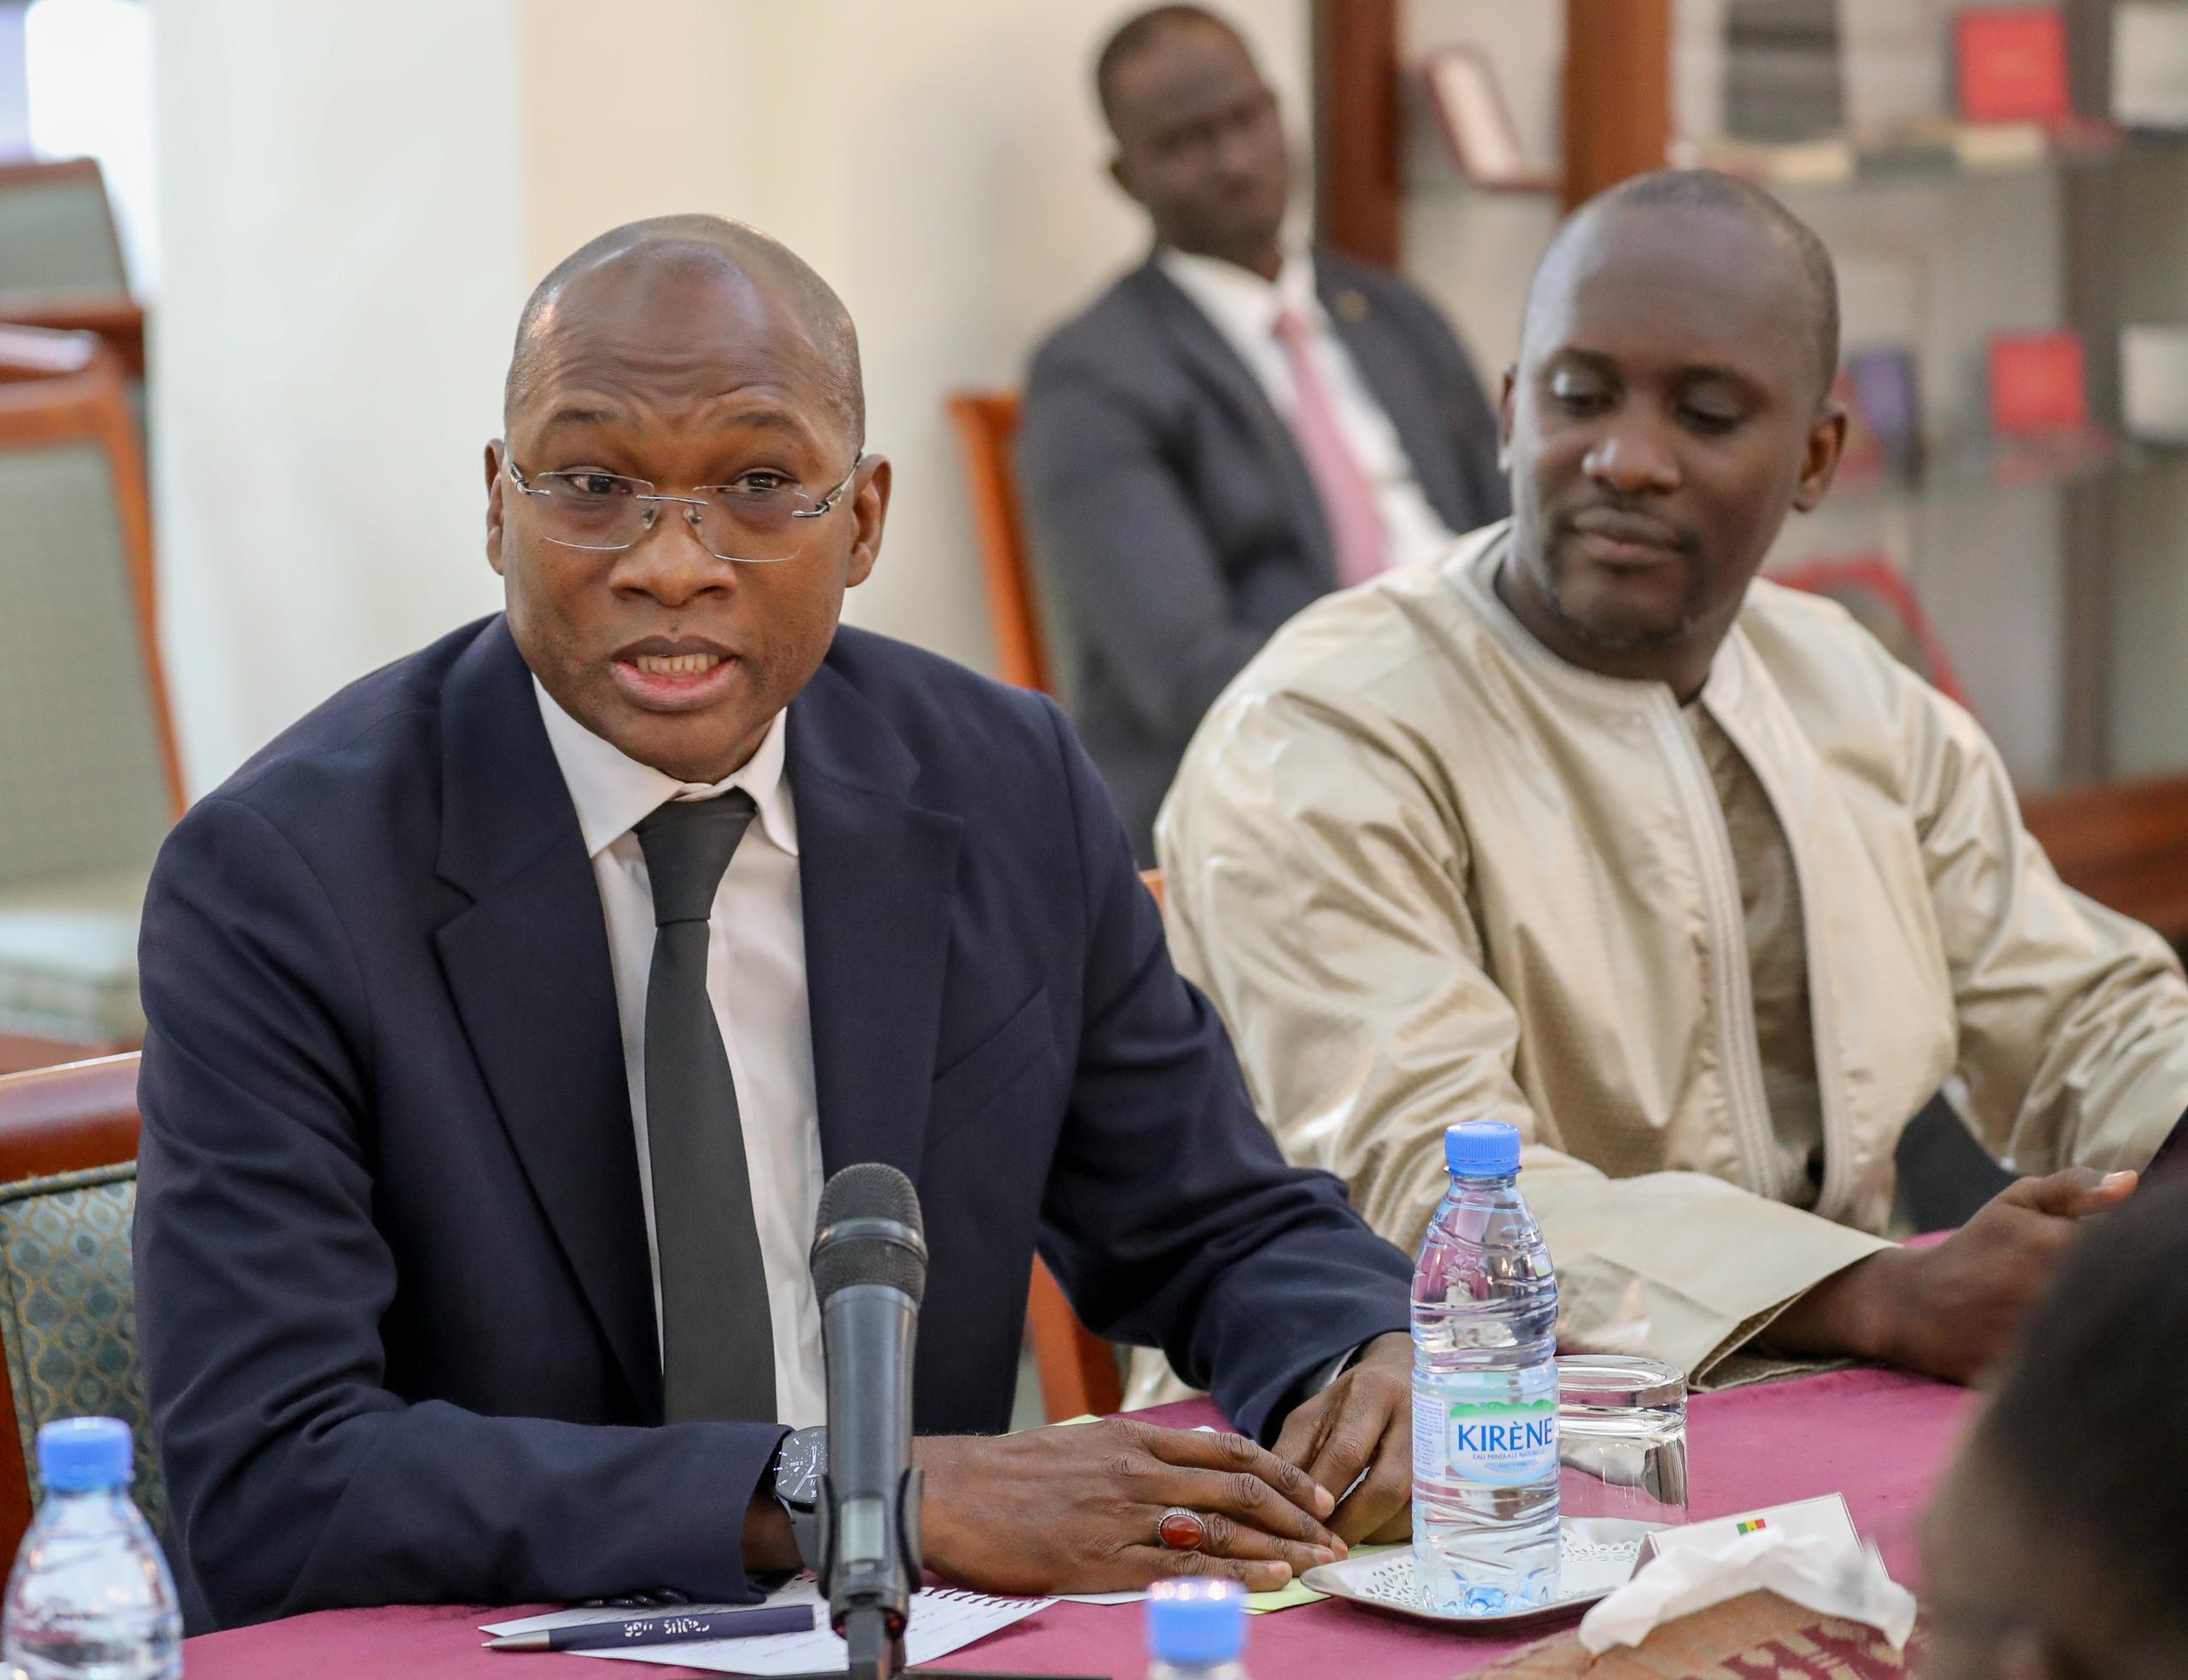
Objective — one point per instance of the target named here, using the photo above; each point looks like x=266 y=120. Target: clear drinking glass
x=1621 y=1425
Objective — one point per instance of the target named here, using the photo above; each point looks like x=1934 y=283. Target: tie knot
x=688 y=843
x=1290 y=327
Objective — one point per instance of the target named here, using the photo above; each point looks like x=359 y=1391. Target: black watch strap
x=797 y=1478
x=805 y=1528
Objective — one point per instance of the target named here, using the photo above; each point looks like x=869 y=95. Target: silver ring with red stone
x=1180 y=1530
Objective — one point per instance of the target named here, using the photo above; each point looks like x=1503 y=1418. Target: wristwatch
x=800 y=1464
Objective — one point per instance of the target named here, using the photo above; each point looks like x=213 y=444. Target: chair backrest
x=2125 y=844
x=88 y=779
x=987 y=425
x=57 y=236
x=1078 y=1370
x=1882 y=600
x=67 y=1311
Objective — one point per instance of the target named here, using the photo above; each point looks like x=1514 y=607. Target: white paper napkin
x=1831 y=1577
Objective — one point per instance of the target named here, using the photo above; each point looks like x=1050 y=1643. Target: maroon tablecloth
x=1880 y=1439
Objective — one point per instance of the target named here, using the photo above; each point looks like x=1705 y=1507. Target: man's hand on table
x=1364 y=1421
x=1950 y=1310
x=1073 y=1509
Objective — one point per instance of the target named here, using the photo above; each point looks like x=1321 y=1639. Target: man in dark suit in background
x=1235 y=427
x=508 y=1011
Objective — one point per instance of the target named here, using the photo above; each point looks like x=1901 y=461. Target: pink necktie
x=1348 y=498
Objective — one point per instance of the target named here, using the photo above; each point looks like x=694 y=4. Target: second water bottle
x=1485 y=1388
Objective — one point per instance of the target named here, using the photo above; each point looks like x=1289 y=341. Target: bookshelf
x=2055 y=571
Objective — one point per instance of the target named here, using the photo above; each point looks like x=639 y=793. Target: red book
x=2013 y=65
x=2039 y=384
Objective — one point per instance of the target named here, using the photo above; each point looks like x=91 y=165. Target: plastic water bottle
x=1195 y=1630
x=90 y=1598
x=1485 y=1388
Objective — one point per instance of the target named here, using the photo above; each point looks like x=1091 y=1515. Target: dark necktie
x=718 y=1357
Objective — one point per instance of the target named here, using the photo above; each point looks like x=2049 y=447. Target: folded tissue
x=1832 y=1575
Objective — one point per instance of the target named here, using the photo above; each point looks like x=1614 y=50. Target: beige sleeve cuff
x=1679 y=1266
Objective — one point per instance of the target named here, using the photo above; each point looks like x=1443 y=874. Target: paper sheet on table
x=1833 y=1576
x=942 y=1622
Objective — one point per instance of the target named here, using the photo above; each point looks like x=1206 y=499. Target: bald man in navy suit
x=508 y=1013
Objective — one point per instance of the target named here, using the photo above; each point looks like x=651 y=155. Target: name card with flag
x=1827 y=1516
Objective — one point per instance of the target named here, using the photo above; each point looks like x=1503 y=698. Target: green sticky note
x=1297 y=1592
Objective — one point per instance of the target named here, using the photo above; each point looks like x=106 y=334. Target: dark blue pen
x=676 y=1627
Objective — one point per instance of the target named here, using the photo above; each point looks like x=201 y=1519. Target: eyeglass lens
x=602 y=511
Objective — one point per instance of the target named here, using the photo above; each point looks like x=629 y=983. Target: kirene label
x=1487 y=1429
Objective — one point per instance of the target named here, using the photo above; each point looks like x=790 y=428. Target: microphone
x=869 y=1273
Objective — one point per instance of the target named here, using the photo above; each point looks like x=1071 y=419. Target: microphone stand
x=877 y=1649
x=877 y=1653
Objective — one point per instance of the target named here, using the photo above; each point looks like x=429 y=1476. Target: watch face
x=799 y=1471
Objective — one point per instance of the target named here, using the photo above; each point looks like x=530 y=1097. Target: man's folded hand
x=1075 y=1509
x=1949 y=1312
x=1360 y=1430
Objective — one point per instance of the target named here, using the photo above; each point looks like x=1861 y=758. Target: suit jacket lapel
x=527 y=965
x=878 y=873
x=1235 y=387
x=1393 y=373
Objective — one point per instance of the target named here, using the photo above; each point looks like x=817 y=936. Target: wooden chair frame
x=116 y=317
x=987 y=425
x=2125 y=844
x=56 y=1119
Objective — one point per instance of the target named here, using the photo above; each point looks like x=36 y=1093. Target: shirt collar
x=613 y=791
x=1238 y=299
x=1472 y=566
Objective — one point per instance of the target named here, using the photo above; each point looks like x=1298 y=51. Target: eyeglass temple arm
x=829 y=500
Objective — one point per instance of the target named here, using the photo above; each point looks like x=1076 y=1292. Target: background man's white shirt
x=1244 y=307
x=755 y=980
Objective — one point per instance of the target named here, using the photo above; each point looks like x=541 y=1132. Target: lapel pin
x=1352 y=305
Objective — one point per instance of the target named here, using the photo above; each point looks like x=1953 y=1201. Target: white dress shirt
x=1244 y=307
x=756 y=978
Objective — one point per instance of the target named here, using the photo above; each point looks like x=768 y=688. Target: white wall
x=356 y=199
x=941 y=165
x=342 y=253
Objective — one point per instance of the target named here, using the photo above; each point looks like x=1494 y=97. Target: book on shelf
x=2011 y=64
x=2154 y=382
x=1863 y=457
x=1785 y=74
x=1915 y=147
x=1469 y=102
x=2039 y=385
x=1887 y=397
x=2149 y=64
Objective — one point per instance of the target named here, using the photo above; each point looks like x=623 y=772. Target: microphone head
x=869 y=1232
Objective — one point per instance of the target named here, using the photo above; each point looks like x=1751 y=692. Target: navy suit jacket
x=393 y=1296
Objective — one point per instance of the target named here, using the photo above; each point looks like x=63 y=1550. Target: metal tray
x=1596 y=1557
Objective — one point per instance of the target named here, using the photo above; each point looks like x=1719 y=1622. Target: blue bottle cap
x=77 y=1454
x=1482 y=1148
x=1196 y=1620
